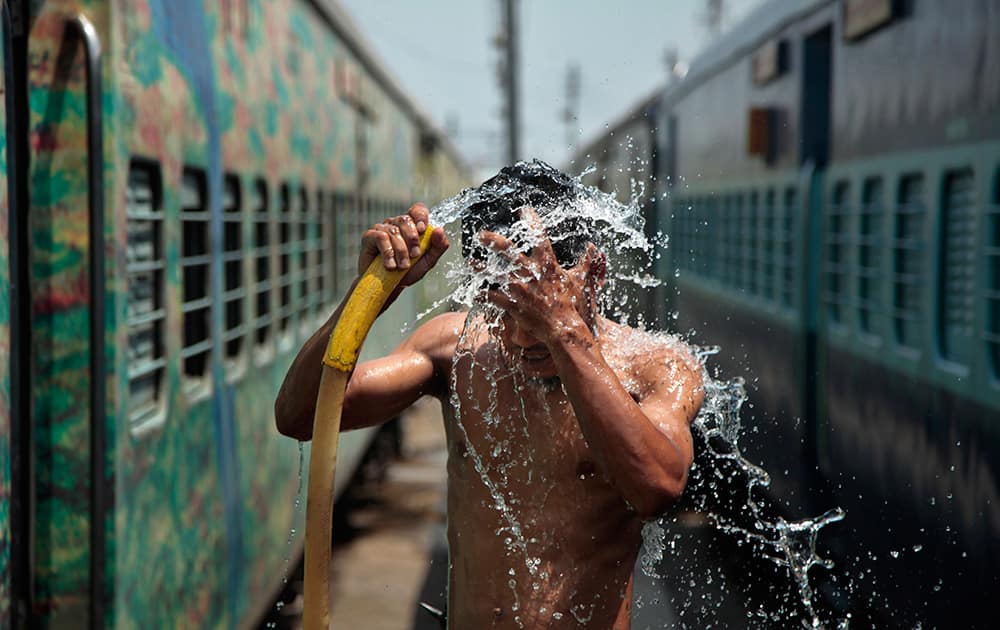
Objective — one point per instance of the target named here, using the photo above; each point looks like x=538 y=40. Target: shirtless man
x=570 y=431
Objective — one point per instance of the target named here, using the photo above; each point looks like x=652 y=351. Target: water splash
x=618 y=230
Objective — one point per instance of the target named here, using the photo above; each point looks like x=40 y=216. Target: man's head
x=548 y=193
x=527 y=184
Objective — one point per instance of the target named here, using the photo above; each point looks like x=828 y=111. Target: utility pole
x=510 y=80
x=572 y=110
x=715 y=13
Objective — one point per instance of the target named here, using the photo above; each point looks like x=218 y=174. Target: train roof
x=743 y=39
x=345 y=26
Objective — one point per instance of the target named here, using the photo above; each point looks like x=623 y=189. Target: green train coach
x=184 y=187
x=829 y=176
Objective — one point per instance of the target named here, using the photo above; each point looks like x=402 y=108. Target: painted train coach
x=829 y=173
x=185 y=184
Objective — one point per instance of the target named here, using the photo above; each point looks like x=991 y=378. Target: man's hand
x=397 y=242
x=542 y=297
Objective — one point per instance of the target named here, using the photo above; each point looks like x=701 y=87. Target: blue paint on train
x=180 y=24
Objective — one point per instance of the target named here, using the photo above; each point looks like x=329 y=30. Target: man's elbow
x=657 y=499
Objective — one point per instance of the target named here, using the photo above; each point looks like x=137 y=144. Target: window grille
x=320 y=299
x=262 y=260
x=750 y=236
x=346 y=265
x=284 y=258
x=730 y=236
x=196 y=257
x=145 y=268
x=907 y=261
x=707 y=252
x=838 y=214
x=869 y=243
x=785 y=243
x=992 y=294
x=234 y=292
x=330 y=245
x=956 y=275
x=767 y=246
x=305 y=267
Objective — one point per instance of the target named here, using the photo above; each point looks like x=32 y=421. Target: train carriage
x=829 y=174
x=226 y=157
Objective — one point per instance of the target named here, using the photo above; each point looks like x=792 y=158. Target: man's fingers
x=543 y=250
x=408 y=230
x=420 y=215
x=503 y=246
x=376 y=244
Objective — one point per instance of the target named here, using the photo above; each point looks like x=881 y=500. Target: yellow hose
x=363 y=306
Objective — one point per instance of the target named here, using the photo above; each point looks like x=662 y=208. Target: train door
x=63 y=414
x=814 y=153
x=16 y=472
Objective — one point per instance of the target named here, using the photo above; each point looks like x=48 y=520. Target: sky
x=442 y=53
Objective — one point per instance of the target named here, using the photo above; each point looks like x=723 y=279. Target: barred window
x=233 y=290
x=767 y=246
x=344 y=226
x=145 y=266
x=907 y=261
x=304 y=270
x=838 y=214
x=262 y=260
x=320 y=278
x=284 y=258
x=750 y=252
x=329 y=245
x=708 y=248
x=731 y=235
x=196 y=257
x=785 y=243
x=870 y=218
x=957 y=271
x=992 y=294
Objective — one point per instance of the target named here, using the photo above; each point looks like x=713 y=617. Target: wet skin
x=580 y=464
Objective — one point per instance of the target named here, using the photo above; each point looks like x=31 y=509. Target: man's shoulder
x=644 y=352
x=438 y=335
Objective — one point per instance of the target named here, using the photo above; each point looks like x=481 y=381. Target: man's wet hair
x=534 y=184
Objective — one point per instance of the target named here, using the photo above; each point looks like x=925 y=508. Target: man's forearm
x=295 y=405
x=647 y=467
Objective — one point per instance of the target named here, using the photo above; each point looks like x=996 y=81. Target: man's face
x=525 y=351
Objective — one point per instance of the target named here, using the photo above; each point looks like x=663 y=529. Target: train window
x=284 y=258
x=836 y=250
x=730 y=232
x=993 y=279
x=262 y=260
x=304 y=268
x=319 y=245
x=233 y=290
x=343 y=226
x=706 y=246
x=869 y=243
x=145 y=266
x=768 y=275
x=196 y=259
x=786 y=246
x=956 y=273
x=750 y=253
x=907 y=261
x=329 y=245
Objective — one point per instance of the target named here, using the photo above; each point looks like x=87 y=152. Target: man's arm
x=644 y=448
x=393 y=241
